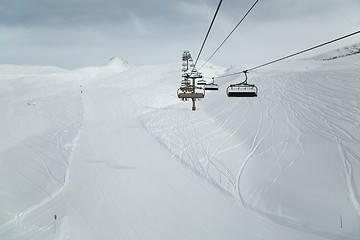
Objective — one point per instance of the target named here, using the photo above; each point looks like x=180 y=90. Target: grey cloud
x=287 y=9
x=67 y=13
x=59 y=13
x=74 y=33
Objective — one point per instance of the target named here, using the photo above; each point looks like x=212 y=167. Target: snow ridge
x=117 y=62
x=339 y=53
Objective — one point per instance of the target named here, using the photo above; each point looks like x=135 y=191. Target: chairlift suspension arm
x=243 y=82
x=246 y=76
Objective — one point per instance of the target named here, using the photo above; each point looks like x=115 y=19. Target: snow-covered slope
x=338 y=53
x=117 y=62
x=113 y=66
x=113 y=154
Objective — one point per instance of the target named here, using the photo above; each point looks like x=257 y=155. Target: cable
x=292 y=55
x=230 y=33
x=212 y=22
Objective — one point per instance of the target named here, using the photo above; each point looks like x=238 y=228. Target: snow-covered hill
x=117 y=62
x=338 y=53
x=111 y=153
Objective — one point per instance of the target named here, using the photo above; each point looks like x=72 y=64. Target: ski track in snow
x=337 y=133
x=297 y=111
x=59 y=142
x=329 y=130
x=248 y=149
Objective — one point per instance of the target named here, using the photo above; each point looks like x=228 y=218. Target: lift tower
x=188 y=89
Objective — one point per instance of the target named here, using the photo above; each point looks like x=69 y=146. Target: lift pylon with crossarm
x=188 y=89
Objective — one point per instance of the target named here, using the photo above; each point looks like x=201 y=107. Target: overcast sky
x=78 y=33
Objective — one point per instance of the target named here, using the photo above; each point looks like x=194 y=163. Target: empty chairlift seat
x=242 y=90
x=190 y=92
x=211 y=86
x=186 y=95
x=201 y=82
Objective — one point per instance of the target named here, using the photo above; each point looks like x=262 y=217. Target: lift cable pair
x=237 y=25
x=243 y=89
x=291 y=55
x=236 y=90
x=207 y=34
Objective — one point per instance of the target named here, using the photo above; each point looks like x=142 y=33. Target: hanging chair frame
x=190 y=92
x=211 y=86
x=242 y=89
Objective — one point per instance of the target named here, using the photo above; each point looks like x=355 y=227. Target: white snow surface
x=118 y=63
x=341 y=52
x=114 y=154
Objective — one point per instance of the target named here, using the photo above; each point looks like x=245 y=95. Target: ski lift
x=242 y=89
x=211 y=86
x=185 y=82
x=195 y=74
x=201 y=82
x=186 y=55
x=191 y=63
x=190 y=92
x=186 y=88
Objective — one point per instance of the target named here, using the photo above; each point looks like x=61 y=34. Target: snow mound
x=117 y=62
x=339 y=53
x=114 y=65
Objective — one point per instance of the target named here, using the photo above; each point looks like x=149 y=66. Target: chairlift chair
x=201 y=82
x=185 y=82
x=211 y=86
x=242 y=89
x=195 y=74
x=186 y=88
x=184 y=67
x=188 y=92
x=185 y=56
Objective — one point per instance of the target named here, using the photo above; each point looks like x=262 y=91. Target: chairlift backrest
x=185 y=81
x=201 y=82
x=191 y=95
x=189 y=92
x=242 y=89
x=211 y=86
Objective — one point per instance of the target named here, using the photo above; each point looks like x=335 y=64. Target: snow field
x=114 y=155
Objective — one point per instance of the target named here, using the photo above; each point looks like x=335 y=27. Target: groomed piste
x=111 y=153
